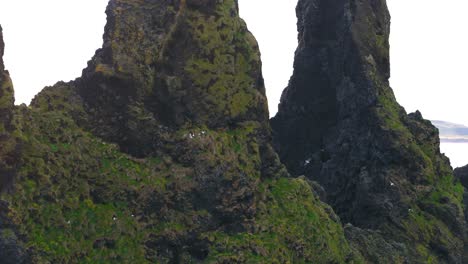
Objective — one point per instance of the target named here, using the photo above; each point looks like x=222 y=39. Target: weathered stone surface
x=161 y=152
x=340 y=125
x=173 y=78
x=7 y=144
x=462 y=174
x=173 y=64
x=11 y=249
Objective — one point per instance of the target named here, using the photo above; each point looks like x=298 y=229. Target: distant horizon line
x=454 y=140
x=449 y=122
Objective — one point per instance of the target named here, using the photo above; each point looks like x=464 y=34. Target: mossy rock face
x=8 y=146
x=172 y=64
x=160 y=153
x=462 y=174
x=340 y=124
x=207 y=196
x=11 y=248
x=6 y=91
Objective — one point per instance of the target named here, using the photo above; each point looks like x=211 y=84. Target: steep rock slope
x=462 y=174
x=340 y=125
x=172 y=65
x=8 y=146
x=11 y=249
x=161 y=152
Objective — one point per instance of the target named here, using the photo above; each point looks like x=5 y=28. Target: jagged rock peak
x=339 y=124
x=11 y=249
x=6 y=87
x=173 y=64
x=178 y=85
x=193 y=61
x=7 y=100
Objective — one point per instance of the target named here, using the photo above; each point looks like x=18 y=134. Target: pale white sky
x=49 y=40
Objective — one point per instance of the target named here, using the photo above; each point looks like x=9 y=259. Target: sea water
x=457 y=152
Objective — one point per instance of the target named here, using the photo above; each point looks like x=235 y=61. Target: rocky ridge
x=462 y=175
x=7 y=164
x=11 y=249
x=340 y=125
x=161 y=152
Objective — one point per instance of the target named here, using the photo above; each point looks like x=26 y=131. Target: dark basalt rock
x=10 y=252
x=340 y=125
x=11 y=249
x=176 y=68
x=172 y=64
x=462 y=174
x=161 y=152
x=8 y=159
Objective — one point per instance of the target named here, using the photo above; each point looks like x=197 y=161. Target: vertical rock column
x=340 y=124
x=7 y=143
x=11 y=250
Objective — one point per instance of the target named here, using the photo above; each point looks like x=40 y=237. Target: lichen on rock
x=161 y=152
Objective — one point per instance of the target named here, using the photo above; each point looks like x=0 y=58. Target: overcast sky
x=51 y=40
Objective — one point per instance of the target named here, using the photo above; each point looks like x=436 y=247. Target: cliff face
x=145 y=77
x=340 y=125
x=161 y=152
x=462 y=174
x=11 y=249
x=7 y=145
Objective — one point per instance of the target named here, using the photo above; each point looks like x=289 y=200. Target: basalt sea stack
x=340 y=125
x=159 y=153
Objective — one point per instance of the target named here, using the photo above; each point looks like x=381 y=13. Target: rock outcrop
x=11 y=249
x=462 y=174
x=176 y=65
x=7 y=144
x=340 y=125
x=161 y=152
